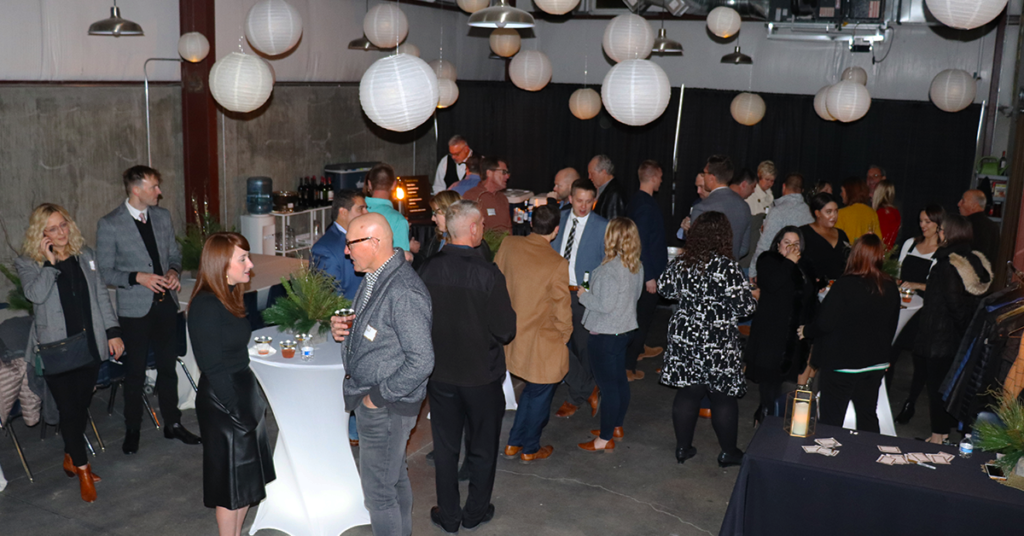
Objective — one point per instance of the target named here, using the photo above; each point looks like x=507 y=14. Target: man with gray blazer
x=137 y=253
x=580 y=240
x=717 y=174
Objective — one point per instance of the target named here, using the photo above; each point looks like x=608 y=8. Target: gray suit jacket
x=121 y=251
x=736 y=210
x=40 y=284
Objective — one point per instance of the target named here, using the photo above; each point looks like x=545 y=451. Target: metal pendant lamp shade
x=361 y=44
x=664 y=45
x=115 y=25
x=501 y=16
x=737 y=58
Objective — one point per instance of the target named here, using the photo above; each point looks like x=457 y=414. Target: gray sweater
x=611 y=300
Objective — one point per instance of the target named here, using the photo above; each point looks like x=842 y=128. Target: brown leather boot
x=69 y=469
x=86 y=482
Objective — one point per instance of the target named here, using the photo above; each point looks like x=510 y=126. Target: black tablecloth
x=783 y=490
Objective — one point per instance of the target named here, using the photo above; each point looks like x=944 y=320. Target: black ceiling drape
x=927 y=153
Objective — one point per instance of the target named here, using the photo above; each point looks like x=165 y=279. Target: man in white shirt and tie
x=452 y=168
x=580 y=240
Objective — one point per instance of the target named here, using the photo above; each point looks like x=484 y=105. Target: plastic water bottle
x=966 y=447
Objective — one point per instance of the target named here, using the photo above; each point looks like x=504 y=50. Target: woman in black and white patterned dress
x=703 y=357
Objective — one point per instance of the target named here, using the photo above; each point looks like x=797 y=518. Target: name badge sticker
x=92 y=265
x=370 y=333
x=491 y=212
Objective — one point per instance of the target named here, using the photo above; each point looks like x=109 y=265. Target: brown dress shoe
x=510 y=451
x=86 y=483
x=638 y=375
x=353 y=442
x=650 y=352
x=589 y=446
x=595 y=401
x=617 y=433
x=542 y=453
x=567 y=410
x=69 y=469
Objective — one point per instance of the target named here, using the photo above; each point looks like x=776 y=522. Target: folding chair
x=9 y=430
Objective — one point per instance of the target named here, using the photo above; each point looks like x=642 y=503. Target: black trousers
x=645 y=307
x=72 y=391
x=580 y=378
x=156 y=331
x=838 y=389
x=941 y=420
x=479 y=411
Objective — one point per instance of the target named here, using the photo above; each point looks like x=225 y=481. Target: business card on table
x=941 y=458
x=812 y=449
x=889 y=450
x=827 y=452
x=919 y=457
x=829 y=443
x=892 y=459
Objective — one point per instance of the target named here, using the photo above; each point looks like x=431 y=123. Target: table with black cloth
x=783 y=490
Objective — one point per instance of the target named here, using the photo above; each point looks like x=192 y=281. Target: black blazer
x=789 y=297
x=612 y=202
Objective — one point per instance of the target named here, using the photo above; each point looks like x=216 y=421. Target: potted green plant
x=310 y=301
x=16 y=299
x=1008 y=439
x=191 y=243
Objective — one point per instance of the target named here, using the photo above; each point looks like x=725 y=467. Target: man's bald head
x=563 y=182
x=972 y=201
x=370 y=242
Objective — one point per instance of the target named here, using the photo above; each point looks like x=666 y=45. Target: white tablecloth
x=317 y=491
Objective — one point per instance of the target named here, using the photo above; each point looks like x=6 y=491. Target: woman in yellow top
x=857 y=218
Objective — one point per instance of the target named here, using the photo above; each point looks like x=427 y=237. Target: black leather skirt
x=237 y=463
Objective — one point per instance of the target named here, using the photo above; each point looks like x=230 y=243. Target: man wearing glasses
x=490 y=195
x=388 y=354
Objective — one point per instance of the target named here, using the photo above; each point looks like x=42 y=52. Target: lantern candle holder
x=800 y=413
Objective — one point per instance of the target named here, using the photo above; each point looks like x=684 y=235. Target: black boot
x=906 y=413
x=683 y=454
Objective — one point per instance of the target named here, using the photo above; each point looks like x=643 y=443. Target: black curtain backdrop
x=927 y=153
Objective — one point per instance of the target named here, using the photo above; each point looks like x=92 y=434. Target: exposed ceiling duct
x=757 y=9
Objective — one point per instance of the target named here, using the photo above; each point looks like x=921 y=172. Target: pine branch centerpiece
x=1008 y=439
x=310 y=301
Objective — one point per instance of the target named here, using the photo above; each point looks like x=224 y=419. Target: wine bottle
x=330 y=190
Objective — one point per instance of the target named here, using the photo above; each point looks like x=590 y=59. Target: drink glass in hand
x=345 y=313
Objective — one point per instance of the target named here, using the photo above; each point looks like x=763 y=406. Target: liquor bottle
x=302 y=193
x=323 y=191
x=586 y=280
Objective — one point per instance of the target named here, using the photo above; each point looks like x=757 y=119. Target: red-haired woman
x=853 y=330
x=231 y=409
x=857 y=218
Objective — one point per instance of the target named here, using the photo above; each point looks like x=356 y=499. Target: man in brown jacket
x=538 y=284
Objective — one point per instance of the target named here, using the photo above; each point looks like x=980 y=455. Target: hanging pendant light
x=737 y=58
x=664 y=45
x=361 y=44
x=501 y=16
x=115 y=25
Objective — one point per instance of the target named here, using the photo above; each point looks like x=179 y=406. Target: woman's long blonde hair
x=34 y=233
x=885 y=195
x=441 y=202
x=622 y=241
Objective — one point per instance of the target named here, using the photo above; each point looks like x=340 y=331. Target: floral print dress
x=703 y=340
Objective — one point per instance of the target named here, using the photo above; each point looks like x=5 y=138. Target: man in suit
x=716 y=175
x=611 y=196
x=539 y=354
x=452 y=168
x=137 y=253
x=563 y=186
x=328 y=254
x=465 y=389
x=580 y=241
x=986 y=231
x=645 y=212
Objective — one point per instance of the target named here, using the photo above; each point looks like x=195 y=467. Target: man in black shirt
x=611 y=196
x=986 y=231
x=645 y=212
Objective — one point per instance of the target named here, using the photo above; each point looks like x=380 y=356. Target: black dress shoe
x=759 y=415
x=727 y=459
x=489 y=515
x=906 y=413
x=131 y=442
x=683 y=454
x=435 y=518
x=177 y=431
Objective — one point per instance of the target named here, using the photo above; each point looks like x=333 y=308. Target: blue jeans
x=608 y=361
x=532 y=416
x=387 y=492
x=353 y=430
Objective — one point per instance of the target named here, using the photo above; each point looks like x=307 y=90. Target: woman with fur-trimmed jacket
x=956 y=283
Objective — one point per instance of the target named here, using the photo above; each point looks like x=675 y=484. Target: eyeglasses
x=438 y=212
x=350 y=243
x=505 y=171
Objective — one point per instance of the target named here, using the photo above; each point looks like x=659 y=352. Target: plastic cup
x=263 y=345
x=288 y=349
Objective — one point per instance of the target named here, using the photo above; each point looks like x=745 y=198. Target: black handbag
x=64 y=355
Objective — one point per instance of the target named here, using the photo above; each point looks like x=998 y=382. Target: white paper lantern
x=399 y=92
x=385 y=25
x=724 y=22
x=585 y=103
x=273 y=27
x=505 y=42
x=628 y=37
x=965 y=14
x=953 y=90
x=193 y=47
x=530 y=70
x=444 y=69
x=472 y=6
x=635 y=92
x=556 y=7
x=819 y=104
x=241 y=82
x=747 y=109
x=855 y=74
x=848 y=101
x=447 y=92
x=411 y=50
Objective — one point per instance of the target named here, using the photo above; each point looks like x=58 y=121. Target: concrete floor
x=638 y=489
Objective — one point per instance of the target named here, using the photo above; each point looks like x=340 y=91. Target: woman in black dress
x=825 y=247
x=230 y=406
x=774 y=353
